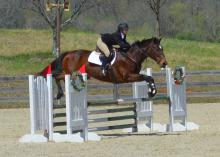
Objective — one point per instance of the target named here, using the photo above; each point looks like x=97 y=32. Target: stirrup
x=104 y=72
x=105 y=69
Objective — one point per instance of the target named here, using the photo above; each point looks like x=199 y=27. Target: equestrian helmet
x=122 y=27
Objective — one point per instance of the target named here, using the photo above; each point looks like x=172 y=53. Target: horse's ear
x=160 y=39
x=156 y=40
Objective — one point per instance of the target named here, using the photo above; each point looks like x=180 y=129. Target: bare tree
x=52 y=16
x=155 y=6
x=11 y=14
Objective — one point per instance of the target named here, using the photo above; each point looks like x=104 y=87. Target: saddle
x=96 y=57
x=109 y=59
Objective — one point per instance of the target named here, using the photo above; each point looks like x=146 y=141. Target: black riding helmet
x=122 y=27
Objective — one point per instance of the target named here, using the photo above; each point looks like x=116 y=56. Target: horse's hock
x=79 y=117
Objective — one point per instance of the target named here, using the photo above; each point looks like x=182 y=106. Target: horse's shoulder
x=121 y=56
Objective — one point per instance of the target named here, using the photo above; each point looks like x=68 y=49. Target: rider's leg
x=104 y=48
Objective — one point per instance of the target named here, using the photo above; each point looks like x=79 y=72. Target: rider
x=106 y=41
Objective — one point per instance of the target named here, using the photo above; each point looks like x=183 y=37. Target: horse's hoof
x=152 y=94
x=59 y=95
x=152 y=91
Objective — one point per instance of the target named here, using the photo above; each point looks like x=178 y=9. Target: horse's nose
x=164 y=65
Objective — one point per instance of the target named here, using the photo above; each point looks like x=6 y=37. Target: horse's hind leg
x=59 y=89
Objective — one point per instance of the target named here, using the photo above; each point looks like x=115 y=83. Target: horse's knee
x=148 y=79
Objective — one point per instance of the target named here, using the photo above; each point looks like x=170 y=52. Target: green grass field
x=28 y=51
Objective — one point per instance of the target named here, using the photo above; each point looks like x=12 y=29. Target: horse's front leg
x=152 y=91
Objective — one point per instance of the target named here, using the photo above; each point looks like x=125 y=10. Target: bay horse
x=125 y=69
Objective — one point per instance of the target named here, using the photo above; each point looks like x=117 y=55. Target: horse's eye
x=160 y=47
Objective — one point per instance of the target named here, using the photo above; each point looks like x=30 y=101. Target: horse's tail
x=54 y=68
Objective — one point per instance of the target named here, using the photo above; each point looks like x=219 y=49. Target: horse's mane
x=139 y=43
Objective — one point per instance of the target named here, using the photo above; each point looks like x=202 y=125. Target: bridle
x=144 y=53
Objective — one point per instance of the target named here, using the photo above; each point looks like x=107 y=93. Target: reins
x=131 y=59
x=127 y=56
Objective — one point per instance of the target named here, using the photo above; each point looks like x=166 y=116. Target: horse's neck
x=137 y=57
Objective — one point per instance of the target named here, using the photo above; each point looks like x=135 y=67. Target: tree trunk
x=54 y=46
x=157 y=26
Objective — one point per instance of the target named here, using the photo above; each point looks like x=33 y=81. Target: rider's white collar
x=122 y=36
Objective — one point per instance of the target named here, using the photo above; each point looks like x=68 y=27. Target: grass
x=194 y=55
x=24 y=63
x=28 y=51
x=24 y=52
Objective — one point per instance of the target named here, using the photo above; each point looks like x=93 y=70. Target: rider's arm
x=124 y=45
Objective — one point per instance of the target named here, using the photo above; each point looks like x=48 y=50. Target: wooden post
x=58 y=29
x=58 y=5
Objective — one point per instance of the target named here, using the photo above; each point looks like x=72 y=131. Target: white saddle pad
x=94 y=58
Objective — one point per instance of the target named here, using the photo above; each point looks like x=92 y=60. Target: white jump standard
x=41 y=110
x=176 y=90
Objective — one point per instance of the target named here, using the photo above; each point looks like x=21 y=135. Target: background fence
x=202 y=86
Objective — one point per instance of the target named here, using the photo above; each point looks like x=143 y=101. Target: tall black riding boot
x=104 y=66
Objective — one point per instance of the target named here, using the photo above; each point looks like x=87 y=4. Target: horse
x=125 y=69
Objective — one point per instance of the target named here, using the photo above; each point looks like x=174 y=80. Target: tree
x=54 y=14
x=11 y=14
x=179 y=14
x=155 y=6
